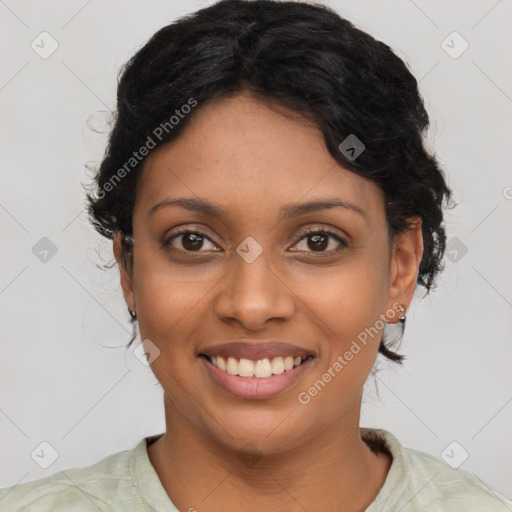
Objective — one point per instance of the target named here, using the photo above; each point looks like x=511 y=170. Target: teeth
x=260 y=369
x=232 y=366
x=277 y=365
x=220 y=363
x=246 y=368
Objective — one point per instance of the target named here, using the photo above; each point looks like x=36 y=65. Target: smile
x=260 y=369
x=256 y=380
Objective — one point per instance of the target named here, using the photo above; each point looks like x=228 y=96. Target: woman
x=272 y=210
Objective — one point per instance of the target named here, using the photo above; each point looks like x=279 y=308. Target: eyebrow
x=287 y=211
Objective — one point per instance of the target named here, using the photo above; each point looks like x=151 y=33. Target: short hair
x=306 y=58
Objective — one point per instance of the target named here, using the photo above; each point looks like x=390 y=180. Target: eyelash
x=180 y=231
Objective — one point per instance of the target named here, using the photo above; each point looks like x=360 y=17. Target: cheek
x=346 y=304
x=350 y=295
x=167 y=301
x=348 y=307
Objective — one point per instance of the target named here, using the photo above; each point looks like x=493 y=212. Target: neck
x=336 y=471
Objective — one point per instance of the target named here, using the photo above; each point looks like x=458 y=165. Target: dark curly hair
x=304 y=57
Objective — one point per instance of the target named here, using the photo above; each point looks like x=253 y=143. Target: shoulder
x=103 y=485
x=445 y=485
x=420 y=481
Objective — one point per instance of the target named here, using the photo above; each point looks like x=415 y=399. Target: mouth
x=256 y=369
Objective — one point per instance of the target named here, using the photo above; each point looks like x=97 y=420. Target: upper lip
x=256 y=349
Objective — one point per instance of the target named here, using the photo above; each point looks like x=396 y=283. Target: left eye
x=318 y=241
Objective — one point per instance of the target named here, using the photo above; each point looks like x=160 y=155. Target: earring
x=132 y=313
x=401 y=318
x=127 y=240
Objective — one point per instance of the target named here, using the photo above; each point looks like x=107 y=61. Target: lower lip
x=254 y=388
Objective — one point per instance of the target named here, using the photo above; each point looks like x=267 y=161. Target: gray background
x=66 y=378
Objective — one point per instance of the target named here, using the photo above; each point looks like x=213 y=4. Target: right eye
x=191 y=241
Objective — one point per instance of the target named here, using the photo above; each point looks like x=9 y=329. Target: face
x=259 y=268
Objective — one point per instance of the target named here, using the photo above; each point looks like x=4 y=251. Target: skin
x=220 y=452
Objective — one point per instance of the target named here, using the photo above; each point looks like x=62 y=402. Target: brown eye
x=191 y=241
x=319 y=241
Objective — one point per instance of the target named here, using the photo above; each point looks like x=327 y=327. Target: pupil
x=319 y=242
x=194 y=244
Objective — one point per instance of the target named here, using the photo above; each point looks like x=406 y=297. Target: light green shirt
x=126 y=481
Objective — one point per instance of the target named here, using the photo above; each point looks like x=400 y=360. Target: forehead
x=251 y=157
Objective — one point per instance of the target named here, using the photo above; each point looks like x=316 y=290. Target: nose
x=253 y=293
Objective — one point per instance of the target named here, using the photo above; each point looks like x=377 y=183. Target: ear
x=406 y=257
x=125 y=271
